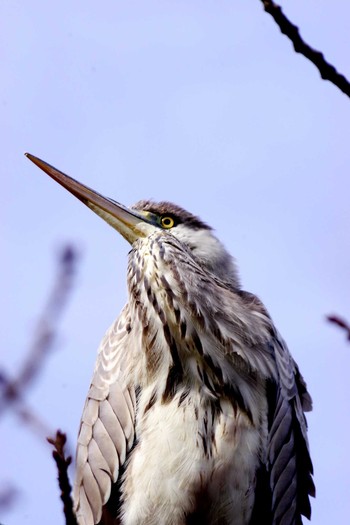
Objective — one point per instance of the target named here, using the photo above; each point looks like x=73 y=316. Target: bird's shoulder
x=289 y=377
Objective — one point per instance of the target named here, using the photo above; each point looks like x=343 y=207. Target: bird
x=196 y=409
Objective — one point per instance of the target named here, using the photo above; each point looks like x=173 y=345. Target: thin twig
x=62 y=463
x=8 y=496
x=327 y=71
x=335 y=319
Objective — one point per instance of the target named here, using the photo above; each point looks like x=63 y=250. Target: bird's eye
x=167 y=222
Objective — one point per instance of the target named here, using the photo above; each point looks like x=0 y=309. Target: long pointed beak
x=131 y=224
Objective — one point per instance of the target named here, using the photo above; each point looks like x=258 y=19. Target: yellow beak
x=130 y=223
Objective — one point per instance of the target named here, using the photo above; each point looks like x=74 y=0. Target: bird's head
x=190 y=230
x=146 y=217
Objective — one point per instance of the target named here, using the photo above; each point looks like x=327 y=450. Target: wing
x=288 y=459
x=107 y=426
x=285 y=482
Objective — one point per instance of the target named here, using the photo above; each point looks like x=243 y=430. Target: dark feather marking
x=207 y=382
x=177 y=314
x=183 y=329
x=155 y=304
x=216 y=410
x=169 y=292
x=205 y=422
x=136 y=293
x=172 y=382
x=200 y=372
x=167 y=286
x=183 y=396
x=204 y=444
x=215 y=330
x=197 y=343
x=137 y=393
x=151 y=401
x=172 y=347
x=148 y=288
x=216 y=369
x=175 y=374
x=162 y=317
x=149 y=294
x=157 y=308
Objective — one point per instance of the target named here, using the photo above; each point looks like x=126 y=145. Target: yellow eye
x=167 y=222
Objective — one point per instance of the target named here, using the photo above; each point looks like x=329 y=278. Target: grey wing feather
x=107 y=426
x=288 y=459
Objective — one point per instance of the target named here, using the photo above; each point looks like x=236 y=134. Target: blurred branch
x=341 y=323
x=8 y=497
x=22 y=410
x=327 y=71
x=12 y=390
x=62 y=463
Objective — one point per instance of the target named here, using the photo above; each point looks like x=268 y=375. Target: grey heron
x=195 y=413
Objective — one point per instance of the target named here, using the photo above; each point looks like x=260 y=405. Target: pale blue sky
x=203 y=103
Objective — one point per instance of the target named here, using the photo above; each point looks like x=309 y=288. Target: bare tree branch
x=62 y=463
x=12 y=390
x=335 y=319
x=327 y=71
